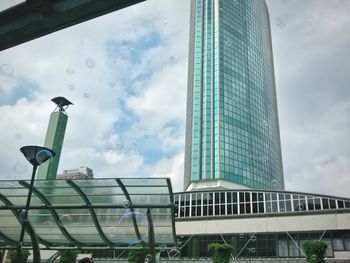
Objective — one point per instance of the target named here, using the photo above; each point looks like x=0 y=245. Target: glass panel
x=274 y=196
x=234 y=197
x=268 y=207
x=229 y=197
x=255 y=208
x=338 y=244
x=148 y=190
x=325 y=203
x=144 y=181
x=332 y=203
x=45 y=225
x=247 y=197
x=260 y=197
x=274 y=207
x=288 y=205
x=247 y=208
x=329 y=251
x=97 y=183
x=241 y=197
x=282 y=206
x=254 y=197
x=310 y=203
x=222 y=198
x=347 y=244
x=296 y=205
x=150 y=199
x=340 y=204
x=217 y=201
x=293 y=249
x=282 y=248
x=261 y=207
x=317 y=204
x=229 y=209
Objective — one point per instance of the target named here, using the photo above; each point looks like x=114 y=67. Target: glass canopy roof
x=97 y=213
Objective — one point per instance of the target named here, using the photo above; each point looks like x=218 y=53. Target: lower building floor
x=268 y=245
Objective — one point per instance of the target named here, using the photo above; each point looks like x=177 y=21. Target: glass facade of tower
x=232 y=129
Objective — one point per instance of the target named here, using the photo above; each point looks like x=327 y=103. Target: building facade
x=232 y=129
x=262 y=224
x=82 y=172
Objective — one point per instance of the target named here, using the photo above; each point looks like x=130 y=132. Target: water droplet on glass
x=124 y=56
x=43 y=155
x=6 y=70
x=18 y=136
x=125 y=42
x=119 y=146
x=20 y=167
x=279 y=22
x=162 y=247
x=174 y=253
x=66 y=220
x=86 y=95
x=70 y=71
x=126 y=221
x=274 y=182
x=71 y=87
x=126 y=203
x=90 y=63
x=165 y=21
x=172 y=59
x=111 y=84
x=148 y=258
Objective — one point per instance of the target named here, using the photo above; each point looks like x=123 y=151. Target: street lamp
x=36 y=155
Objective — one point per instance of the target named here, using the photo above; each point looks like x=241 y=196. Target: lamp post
x=36 y=155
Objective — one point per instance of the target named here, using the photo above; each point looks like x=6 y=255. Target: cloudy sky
x=126 y=74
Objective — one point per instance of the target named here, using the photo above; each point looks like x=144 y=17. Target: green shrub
x=315 y=251
x=12 y=255
x=137 y=255
x=68 y=256
x=221 y=253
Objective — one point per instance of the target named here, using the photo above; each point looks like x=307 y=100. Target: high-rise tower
x=232 y=129
x=54 y=137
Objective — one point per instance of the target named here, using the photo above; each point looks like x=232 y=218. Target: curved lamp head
x=37 y=155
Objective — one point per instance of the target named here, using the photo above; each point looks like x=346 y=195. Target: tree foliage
x=12 y=255
x=221 y=253
x=137 y=255
x=68 y=256
x=315 y=251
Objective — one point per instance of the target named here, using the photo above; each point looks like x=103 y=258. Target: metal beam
x=151 y=239
x=171 y=195
x=36 y=18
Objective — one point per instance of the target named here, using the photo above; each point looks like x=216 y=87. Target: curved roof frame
x=84 y=200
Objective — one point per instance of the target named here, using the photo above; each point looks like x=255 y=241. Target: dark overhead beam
x=36 y=18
